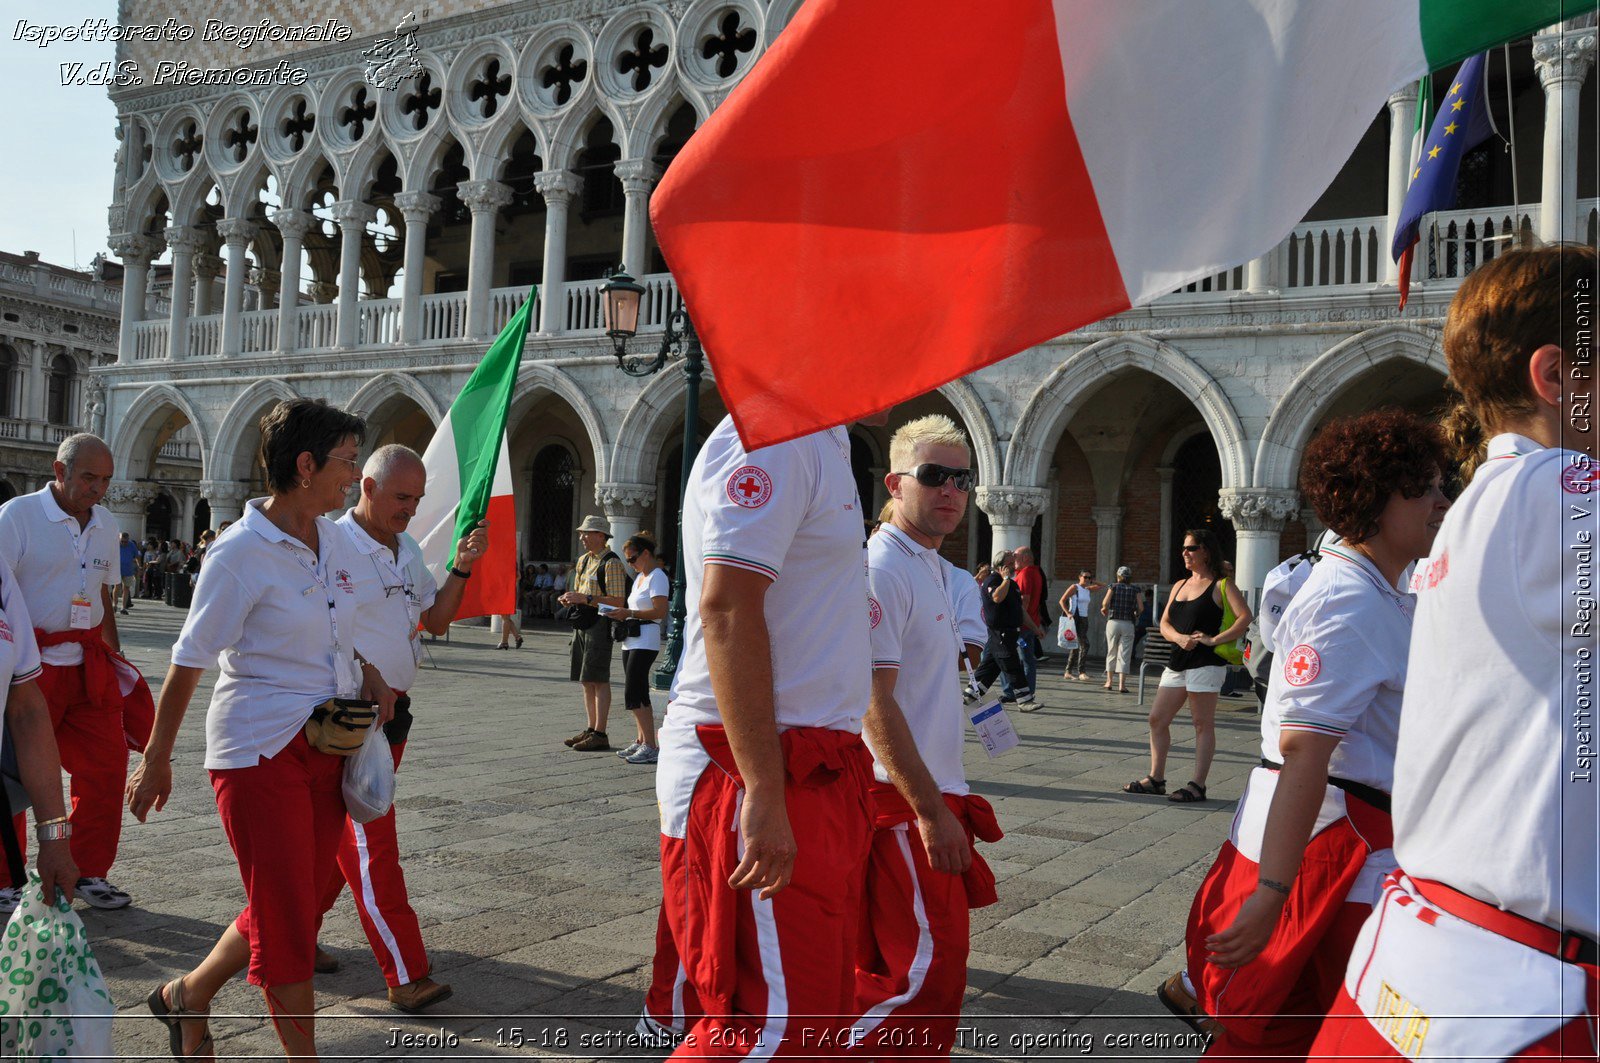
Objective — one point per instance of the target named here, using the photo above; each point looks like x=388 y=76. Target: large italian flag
x=469 y=477
x=901 y=193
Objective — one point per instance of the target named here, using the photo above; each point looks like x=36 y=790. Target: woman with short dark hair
x=274 y=609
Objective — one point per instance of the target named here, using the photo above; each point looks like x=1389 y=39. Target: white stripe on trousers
x=771 y=959
x=920 y=962
x=373 y=912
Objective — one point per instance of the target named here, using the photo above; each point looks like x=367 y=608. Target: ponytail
x=1464 y=434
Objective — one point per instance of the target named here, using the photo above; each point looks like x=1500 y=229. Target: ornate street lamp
x=622 y=302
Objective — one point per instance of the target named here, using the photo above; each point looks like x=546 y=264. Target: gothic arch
x=361 y=168
x=191 y=196
x=979 y=425
x=537 y=378
x=240 y=200
x=651 y=124
x=142 y=202
x=226 y=462
x=1289 y=426
x=133 y=442
x=496 y=150
x=643 y=433
x=566 y=139
x=427 y=156
x=296 y=186
x=385 y=386
x=1052 y=405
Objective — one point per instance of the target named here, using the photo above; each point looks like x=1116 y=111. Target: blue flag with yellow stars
x=1461 y=125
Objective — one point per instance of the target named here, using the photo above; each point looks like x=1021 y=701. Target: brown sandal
x=1190 y=793
x=166 y=1004
x=1146 y=785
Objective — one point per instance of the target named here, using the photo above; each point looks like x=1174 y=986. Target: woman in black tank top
x=1192 y=622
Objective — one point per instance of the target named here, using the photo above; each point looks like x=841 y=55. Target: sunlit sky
x=57 y=141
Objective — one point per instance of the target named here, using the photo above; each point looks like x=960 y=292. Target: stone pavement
x=535 y=874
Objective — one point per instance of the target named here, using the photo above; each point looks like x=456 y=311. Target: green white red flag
x=469 y=477
x=859 y=224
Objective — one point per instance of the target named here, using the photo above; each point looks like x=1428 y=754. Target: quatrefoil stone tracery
x=643 y=60
x=564 y=74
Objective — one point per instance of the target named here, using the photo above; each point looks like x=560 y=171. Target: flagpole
x=1511 y=146
x=693 y=364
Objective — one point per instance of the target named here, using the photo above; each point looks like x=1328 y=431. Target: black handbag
x=582 y=617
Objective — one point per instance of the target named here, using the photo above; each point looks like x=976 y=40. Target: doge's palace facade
x=333 y=237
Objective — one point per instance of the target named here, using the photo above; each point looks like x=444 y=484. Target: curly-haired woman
x=1276 y=917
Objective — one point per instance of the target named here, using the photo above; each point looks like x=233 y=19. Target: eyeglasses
x=930 y=475
x=630 y=558
x=1191 y=549
x=356 y=464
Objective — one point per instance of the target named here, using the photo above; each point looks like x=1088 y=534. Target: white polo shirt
x=55 y=561
x=280 y=623
x=788 y=512
x=19 y=651
x=915 y=631
x=1495 y=789
x=391 y=596
x=967 y=597
x=1342 y=671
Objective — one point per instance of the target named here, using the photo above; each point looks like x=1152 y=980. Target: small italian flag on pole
x=469 y=477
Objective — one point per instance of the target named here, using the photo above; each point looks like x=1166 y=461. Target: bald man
x=395 y=594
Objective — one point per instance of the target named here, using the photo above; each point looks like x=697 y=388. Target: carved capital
x=128 y=496
x=266 y=279
x=1563 y=57
x=224 y=492
x=236 y=230
x=1015 y=506
x=1257 y=509
x=557 y=186
x=293 y=224
x=484 y=196
x=207 y=265
x=416 y=206
x=625 y=499
x=322 y=291
x=1107 y=516
x=638 y=176
x=135 y=248
x=184 y=240
x=353 y=212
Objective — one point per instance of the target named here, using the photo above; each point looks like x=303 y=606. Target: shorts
x=591 y=654
x=636 y=677
x=1207 y=680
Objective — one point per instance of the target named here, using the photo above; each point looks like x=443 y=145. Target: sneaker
x=593 y=742
x=652 y=1034
x=644 y=755
x=1029 y=704
x=630 y=749
x=970 y=694
x=579 y=737
x=99 y=893
x=124 y=612
x=10 y=897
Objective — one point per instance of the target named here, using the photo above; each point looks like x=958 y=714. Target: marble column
x=1258 y=515
x=1164 y=533
x=1563 y=60
x=416 y=208
x=557 y=187
x=292 y=226
x=266 y=282
x=1261 y=273
x=624 y=505
x=638 y=177
x=226 y=498
x=1107 y=542
x=185 y=244
x=127 y=501
x=1402 y=126
x=484 y=199
x=236 y=235
x=207 y=268
x=136 y=252
x=38 y=397
x=1012 y=511
x=353 y=218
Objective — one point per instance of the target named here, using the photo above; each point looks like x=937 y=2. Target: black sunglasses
x=630 y=558
x=930 y=475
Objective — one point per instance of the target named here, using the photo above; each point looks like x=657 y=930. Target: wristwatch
x=54 y=830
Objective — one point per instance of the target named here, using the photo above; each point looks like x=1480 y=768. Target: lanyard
x=403 y=583
x=333 y=612
x=1403 y=602
x=81 y=541
x=928 y=561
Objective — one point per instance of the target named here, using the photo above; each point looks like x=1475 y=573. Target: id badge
x=993 y=726
x=80 y=620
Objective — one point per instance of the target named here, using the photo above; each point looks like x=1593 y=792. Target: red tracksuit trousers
x=671 y=1001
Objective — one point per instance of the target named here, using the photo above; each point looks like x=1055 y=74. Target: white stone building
x=372 y=239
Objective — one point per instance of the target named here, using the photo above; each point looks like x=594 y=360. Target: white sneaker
x=644 y=755
x=652 y=1034
x=10 y=897
x=99 y=893
x=630 y=749
x=1028 y=704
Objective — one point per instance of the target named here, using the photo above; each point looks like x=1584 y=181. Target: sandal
x=173 y=1015
x=1146 y=785
x=1188 y=794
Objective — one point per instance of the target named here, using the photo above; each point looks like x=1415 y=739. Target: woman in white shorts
x=1192 y=621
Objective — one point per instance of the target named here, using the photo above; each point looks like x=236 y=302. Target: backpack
x=1277 y=591
x=583 y=617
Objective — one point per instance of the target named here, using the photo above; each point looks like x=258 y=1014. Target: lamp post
x=622 y=298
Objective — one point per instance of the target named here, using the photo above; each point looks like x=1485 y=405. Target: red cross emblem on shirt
x=1580 y=479
x=749 y=487
x=1301 y=666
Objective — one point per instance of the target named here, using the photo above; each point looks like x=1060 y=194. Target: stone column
x=266 y=282
x=185 y=244
x=557 y=187
x=207 y=268
x=38 y=398
x=1313 y=525
x=322 y=292
x=1402 y=125
x=1164 y=534
x=416 y=207
x=236 y=234
x=624 y=506
x=353 y=217
x=1562 y=59
x=1258 y=515
x=1012 y=511
x=292 y=226
x=1107 y=541
x=484 y=198
x=638 y=177
x=1260 y=276
x=226 y=497
x=127 y=501
x=136 y=252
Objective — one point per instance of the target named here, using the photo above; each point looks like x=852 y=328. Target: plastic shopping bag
x=53 y=1001
x=369 y=778
x=1066 y=633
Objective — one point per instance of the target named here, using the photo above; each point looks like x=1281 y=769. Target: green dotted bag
x=53 y=1000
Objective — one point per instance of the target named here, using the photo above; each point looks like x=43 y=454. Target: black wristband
x=458 y=574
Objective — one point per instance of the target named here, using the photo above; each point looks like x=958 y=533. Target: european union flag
x=1461 y=125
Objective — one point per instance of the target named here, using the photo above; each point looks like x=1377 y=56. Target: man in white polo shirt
x=912 y=967
x=62 y=545
x=395 y=593
x=763 y=777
